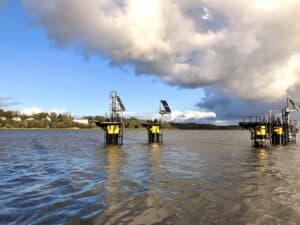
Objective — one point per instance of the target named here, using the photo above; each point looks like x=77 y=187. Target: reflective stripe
x=278 y=130
x=113 y=129
x=260 y=130
x=155 y=129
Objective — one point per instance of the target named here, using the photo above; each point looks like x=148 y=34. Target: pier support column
x=113 y=132
x=260 y=137
x=277 y=135
x=154 y=132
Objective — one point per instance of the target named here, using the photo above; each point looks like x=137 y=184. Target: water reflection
x=69 y=177
x=157 y=209
x=261 y=159
x=114 y=157
x=155 y=150
x=132 y=201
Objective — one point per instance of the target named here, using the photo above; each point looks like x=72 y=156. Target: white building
x=81 y=121
x=48 y=118
x=17 y=119
x=30 y=119
x=3 y=118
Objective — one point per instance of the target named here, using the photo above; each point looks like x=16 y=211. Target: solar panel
x=165 y=107
x=121 y=104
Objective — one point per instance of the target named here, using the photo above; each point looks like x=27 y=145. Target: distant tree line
x=13 y=119
x=129 y=123
x=135 y=123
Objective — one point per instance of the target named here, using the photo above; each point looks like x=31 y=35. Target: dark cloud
x=7 y=102
x=3 y=3
x=230 y=108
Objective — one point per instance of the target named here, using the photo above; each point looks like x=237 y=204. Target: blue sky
x=37 y=74
x=225 y=61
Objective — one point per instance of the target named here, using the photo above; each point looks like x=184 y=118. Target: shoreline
x=89 y=129
x=47 y=128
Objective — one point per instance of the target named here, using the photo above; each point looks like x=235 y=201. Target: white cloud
x=29 y=111
x=58 y=111
x=190 y=116
x=247 y=49
x=175 y=116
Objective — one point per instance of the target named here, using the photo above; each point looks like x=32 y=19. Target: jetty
x=273 y=129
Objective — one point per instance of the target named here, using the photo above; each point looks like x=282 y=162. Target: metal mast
x=113 y=106
x=113 y=127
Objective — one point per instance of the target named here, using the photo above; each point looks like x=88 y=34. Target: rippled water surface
x=196 y=177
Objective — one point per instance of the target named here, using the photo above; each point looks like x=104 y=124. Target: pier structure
x=273 y=129
x=113 y=126
x=154 y=128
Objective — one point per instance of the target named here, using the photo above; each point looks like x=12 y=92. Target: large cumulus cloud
x=248 y=50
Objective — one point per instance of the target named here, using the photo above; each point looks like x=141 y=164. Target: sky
x=212 y=60
x=37 y=74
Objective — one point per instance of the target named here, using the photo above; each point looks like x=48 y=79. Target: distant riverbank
x=10 y=120
x=169 y=128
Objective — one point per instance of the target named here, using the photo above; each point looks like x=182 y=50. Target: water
x=196 y=177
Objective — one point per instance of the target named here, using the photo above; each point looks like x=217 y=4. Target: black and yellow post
x=277 y=135
x=260 y=137
x=155 y=134
x=113 y=127
x=113 y=134
x=154 y=128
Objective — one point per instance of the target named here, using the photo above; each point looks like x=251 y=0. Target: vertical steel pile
x=113 y=126
x=154 y=128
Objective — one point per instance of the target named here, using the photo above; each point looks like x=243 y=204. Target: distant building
x=48 y=118
x=30 y=119
x=81 y=121
x=3 y=118
x=17 y=119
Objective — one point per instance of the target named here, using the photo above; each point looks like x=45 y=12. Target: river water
x=195 y=177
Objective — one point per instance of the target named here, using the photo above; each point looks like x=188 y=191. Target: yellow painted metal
x=113 y=129
x=260 y=130
x=155 y=129
x=278 y=130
